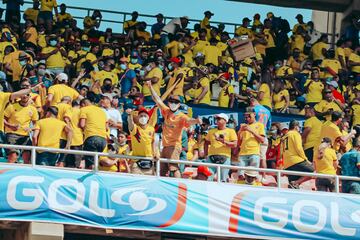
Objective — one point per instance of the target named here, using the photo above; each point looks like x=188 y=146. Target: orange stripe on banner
x=235 y=212
x=180 y=207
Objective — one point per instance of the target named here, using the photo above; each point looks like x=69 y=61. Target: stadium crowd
x=66 y=84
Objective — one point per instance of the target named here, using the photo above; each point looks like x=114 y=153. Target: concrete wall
x=324 y=22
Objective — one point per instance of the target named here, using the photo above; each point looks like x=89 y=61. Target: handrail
x=96 y=155
x=125 y=14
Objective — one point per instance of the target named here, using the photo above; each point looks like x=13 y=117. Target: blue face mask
x=123 y=66
x=53 y=43
x=133 y=60
x=23 y=62
x=34 y=80
x=142 y=73
x=170 y=67
x=161 y=67
x=86 y=49
x=277 y=66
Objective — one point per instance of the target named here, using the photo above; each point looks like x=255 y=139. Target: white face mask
x=143 y=120
x=174 y=106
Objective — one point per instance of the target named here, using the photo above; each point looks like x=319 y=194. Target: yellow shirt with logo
x=249 y=144
x=141 y=140
x=216 y=147
x=325 y=165
x=313 y=137
x=240 y=31
x=314 y=93
x=279 y=99
x=50 y=132
x=22 y=116
x=332 y=64
x=324 y=106
x=224 y=95
x=293 y=152
x=205 y=83
x=95 y=121
x=55 y=60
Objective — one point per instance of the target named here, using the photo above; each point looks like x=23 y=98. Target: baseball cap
x=225 y=76
x=142 y=110
x=204 y=170
x=199 y=54
x=62 y=77
x=159 y=15
x=299 y=16
x=223 y=116
x=247 y=61
x=175 y=60
x=209 y=13
x=246 y=19
x=251 y=173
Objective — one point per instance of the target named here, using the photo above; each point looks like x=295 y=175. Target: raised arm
x=156 y=97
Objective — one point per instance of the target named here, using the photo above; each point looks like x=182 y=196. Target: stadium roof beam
x=322 y=5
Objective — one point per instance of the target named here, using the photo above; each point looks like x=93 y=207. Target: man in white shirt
x=173 y=27
x=113 y=115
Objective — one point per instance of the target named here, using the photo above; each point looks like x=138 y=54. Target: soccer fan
x=294 y=155
x=174 y=123
x=250 y=178
x=311 y=132
x=226 y=95
x=142 y=142
x=328 y=105
x=250 y=136
x=93 y=121
x=45 y=16
x=326 y=163
x=113 y=115
x=218 y=144
x=47 y=133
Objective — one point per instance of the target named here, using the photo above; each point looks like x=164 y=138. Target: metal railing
x=124 y=16
x=219 y=167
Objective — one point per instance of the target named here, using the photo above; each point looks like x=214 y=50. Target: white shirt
x=315 y=35
x=115 y=116
x=171 y=26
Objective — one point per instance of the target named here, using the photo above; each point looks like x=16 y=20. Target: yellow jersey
x=141 y=140
x=224 y=95
x=249 y=144
x=314 y=93
x=4 y=100
x=154 y=73
x=48 y=5
x=61 y=90
x=212 y=54
x=73 y=114
x=293 y=152
x=313 y=137
x=50 y=132
x=325 y=165
x=205 y=83
x=22 y=116
x=216 y=147
x=95 y=121
x=316 y=50
x=324 y=106
x=266 y=100
x=355 y=58
x=279 y=99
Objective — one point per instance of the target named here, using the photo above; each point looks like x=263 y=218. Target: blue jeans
x=47 y=158
x=248 y=161
x=224 y=171
x=93 y=144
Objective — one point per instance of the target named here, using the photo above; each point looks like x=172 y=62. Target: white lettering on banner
x=93 y=202
x=77 y=203
x=37 y=194
x=281 y=215
x=335 y=224
x=309 y=228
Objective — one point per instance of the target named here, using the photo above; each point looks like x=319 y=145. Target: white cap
x=199 y=54
x=251 y=173
x=333 y=83
x=62 y=77
x=223 y=116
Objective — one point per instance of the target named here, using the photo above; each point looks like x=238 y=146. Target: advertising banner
x=121 y=201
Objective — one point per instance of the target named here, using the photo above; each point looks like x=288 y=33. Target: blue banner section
x=148 y=203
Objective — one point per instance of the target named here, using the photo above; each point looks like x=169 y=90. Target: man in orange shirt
x=174 y=123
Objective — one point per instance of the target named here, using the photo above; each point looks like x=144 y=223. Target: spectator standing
x=47 y=133
x=46 y=14
x=176 y=25
x=350 y=164
x=157 y=27
x=226 y=96
x=93 y=121
x=131 y=24
x=174 y=123
x=60 y=90
x=32 y=13
x=218 y=144
x=326 y=163
x=142 y=142
x=113 y=115
x=311 y=132
x=13 y=12
x=250 y=136
x=294 y=155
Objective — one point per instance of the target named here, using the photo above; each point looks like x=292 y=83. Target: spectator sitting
x=250 y=178
x=203 y=173
x=13 y=156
